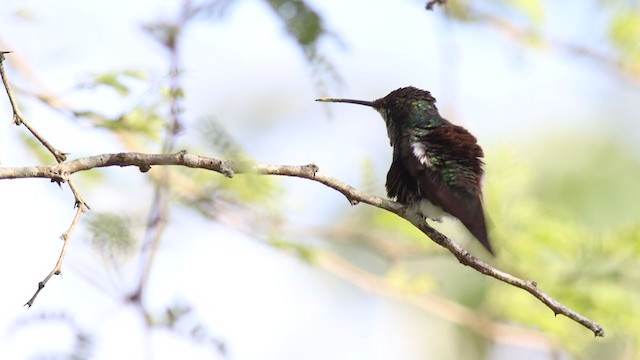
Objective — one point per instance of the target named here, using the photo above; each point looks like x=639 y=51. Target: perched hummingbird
x=437 y=166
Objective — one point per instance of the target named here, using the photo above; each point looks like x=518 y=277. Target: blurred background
x=181 y=263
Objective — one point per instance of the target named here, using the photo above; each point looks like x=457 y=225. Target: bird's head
x=401 y=106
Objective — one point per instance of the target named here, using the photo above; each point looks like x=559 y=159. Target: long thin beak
x=349 y=101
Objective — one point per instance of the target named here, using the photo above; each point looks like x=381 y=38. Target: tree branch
x=18 y=118
x=61 y=172
x=57 y=269
x=80 y=204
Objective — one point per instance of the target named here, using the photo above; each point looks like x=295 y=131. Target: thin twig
x=80 y=204
x=18 y=118
x=61 y=171
x=57 y=269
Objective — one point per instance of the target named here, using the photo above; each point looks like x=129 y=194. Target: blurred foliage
x=245 y=187
x=218 y=139
x=302 y=22
x=567 y=217
x=306 y=253
x=401 y=278
x=524 y=22
x=147 y=118
x=36 y=149
x=116 y=80
x=249 y=187
x=369 y=182
x=534 y=10
x=181 y=319
x=307 y=28
x=80 y=343
x=111 y=235
x=601 y=201
x=548 y=233
x=625 y=35
x=564 y=214
x=145 y=121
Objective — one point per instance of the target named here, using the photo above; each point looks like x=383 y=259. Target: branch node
x=2 y=55
x=60 y=156
x=226 y=168
x=58 y=180
x=17 y=119
x=312 y=169
x=466 y=258
x=33 y=298
x=80 y=203
x=144 y=168
x=533 y=283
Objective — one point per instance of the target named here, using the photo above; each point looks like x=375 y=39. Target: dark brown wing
x=401 y=185
x=449 y=173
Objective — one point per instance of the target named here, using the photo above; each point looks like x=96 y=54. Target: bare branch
x=145 y=161
x=79 y=203
x=57 y=269
x=18 y=118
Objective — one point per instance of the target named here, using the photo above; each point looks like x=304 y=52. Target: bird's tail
x=478 y=227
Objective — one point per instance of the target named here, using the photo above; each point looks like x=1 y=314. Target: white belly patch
x=428 y=210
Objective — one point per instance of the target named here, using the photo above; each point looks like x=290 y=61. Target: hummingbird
x=437 y=166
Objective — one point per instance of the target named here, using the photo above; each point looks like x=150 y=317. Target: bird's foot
x=427 y=217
